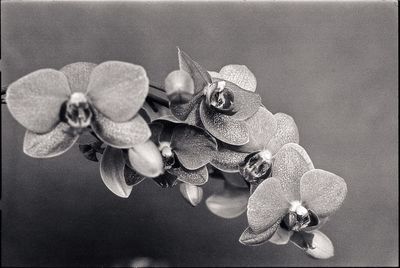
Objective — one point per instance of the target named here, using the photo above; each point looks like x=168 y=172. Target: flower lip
x=299 y=218
x=220 y=97
x=77 y=111
x=167 y=154
x=256 y=166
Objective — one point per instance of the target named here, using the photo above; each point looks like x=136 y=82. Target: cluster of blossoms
x=207 y=124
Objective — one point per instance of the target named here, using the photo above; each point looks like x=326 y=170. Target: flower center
x=77 y=111
x=256 y=166
x=167 y=155
x=220 y=97
x=297 y=218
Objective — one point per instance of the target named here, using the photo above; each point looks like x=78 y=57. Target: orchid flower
x=57 y=106
x=297 y=198
x=219 y=104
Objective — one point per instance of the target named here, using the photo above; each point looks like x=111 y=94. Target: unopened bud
x=146 y=159
x=192 y=193
x=179 y=87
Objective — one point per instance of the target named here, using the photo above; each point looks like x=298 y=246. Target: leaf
x=200 y=76
x=146 y=159
x=118 y=89
x=51 y=144
x=281 y=236
x=266 y=205
x=230 y=203
x=192 y=193
x=239 y=75
x=193 y=146
x=112 y=166
x=262 y=128
x=195 y=177
x=249 y=238
x=35 y=100
x=121 y=134
x=286 y=132
x=78 y=75
x=223 y=127
x=227 y=158
x=322 y=191
x=289 y=165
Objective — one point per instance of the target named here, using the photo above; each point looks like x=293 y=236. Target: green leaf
x=322 y=191
x=286 y=132
x=199 y=74
x=35 y=100
x=118 y=89
x=121 y=134
x=193 y=146
x=230 y=203
x=192 y=193
x=112 y=166
x=239 y=75
x=223 y=127
x=78 y=75
x=266 y=205
x=51 y=144
x=289 y=165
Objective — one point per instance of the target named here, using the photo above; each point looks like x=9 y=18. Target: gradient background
x=332 y=66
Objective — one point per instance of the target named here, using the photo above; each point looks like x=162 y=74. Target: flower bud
x=192 y=193
x=179 y=87
x=146 y=159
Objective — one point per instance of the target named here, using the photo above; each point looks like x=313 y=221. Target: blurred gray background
x=332 y=66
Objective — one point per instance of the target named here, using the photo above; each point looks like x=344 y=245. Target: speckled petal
x=35 y=100
x=266 y=205
x=112 y=167
x=322 y=191
x=223 y=127
x=78 y=75
x=246 y=102
x=193 y=146
x=226 y=159
x=239 y=75
x=215 y=76
x=50 y=144
x=166 y=180
x=195 y=177
x=199 y=74
x=122 y=134
x=249 y=238
x=289 y=165
x=132 y=178
x=230 y=203
x=118 y=89
x=182 y=111
x=281 y=236
x=262 y=127
x=286 y=132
